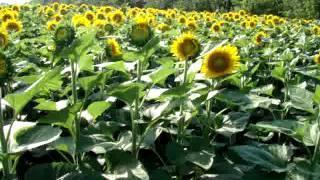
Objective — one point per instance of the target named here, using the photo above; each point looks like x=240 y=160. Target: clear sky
x=14 y=1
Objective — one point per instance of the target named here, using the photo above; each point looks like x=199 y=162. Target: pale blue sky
x=14 y=1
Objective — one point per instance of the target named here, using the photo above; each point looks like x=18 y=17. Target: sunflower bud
x=140 y=33
x=64 y=35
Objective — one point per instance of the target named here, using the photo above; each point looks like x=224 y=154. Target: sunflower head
x=101 y=16
x=51 y=25
x=259 y=37
x=316 y=59
x=216 y=27
x=140 y=32
x=7 y=15
x=113 y=48
x=64 y=35
x=316 y=30
x=186 y=46
x=220 y=61
x=3 y=38
x=5 y=69
x=163 y=27
x=192 y=25
x=57 y=17
x=117 y=17
x=90 y=16
x=12 y=25
x=108 y=27
x=80 y=21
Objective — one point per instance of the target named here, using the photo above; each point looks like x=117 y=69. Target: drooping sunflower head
x=186 y=46
x=316 y=30
x=64 y=35
x=316 y=59
x=5 y=69
x=51 y=25
x=12 y=25
x=259 y=37
x=101 y=16
x=192 y=25
x=117 y=17
x=113 y=48
x=3 y=38
x=163 y=27
x=140 y=32
x=220 y=61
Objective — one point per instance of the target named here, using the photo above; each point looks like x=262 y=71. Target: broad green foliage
x=102 y=92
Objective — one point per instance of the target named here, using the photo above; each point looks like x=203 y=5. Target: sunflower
x=57 y=17
x=7 y=15
x=259 y=37
x=221 y=61
x=186 y=46
x=316 y=30
x=12 y=25
x=117 y=17
x=90 y=16
x=140 y=32
x=163 y=27
x=3 y=38
x=192 y=25
x=101 y=16
x=113 y=48
x=49 y=12
x=182 y=19
x=64 y=35
x=80 y=21
x=5 y=69
x=51 y=25
x=216 y=27
x=317 y=59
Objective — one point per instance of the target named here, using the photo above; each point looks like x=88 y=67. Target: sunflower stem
x=4 y=148
x=74 y=101
x=316 y=148
x=136 y=114
x=181 y=122
x=208 y=110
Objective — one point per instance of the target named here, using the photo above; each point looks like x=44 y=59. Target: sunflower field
x=102 y=92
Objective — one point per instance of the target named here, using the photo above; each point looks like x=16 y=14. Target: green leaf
x=27 y=135
x=233 y=123
x=278 y=73
x=161 y=74
x=19 y=100
x=127 y=92
x=124 y=163
x=175 y=153
x=203 y=158
x=97 y=108
x=63 y=118
x=65 y=144
x=48 y=171
x=86 y=63
x=316 y=97
x=177 y=92
x=47 y=105
x=266 y=90
x=301 y=98
x=272 y=157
